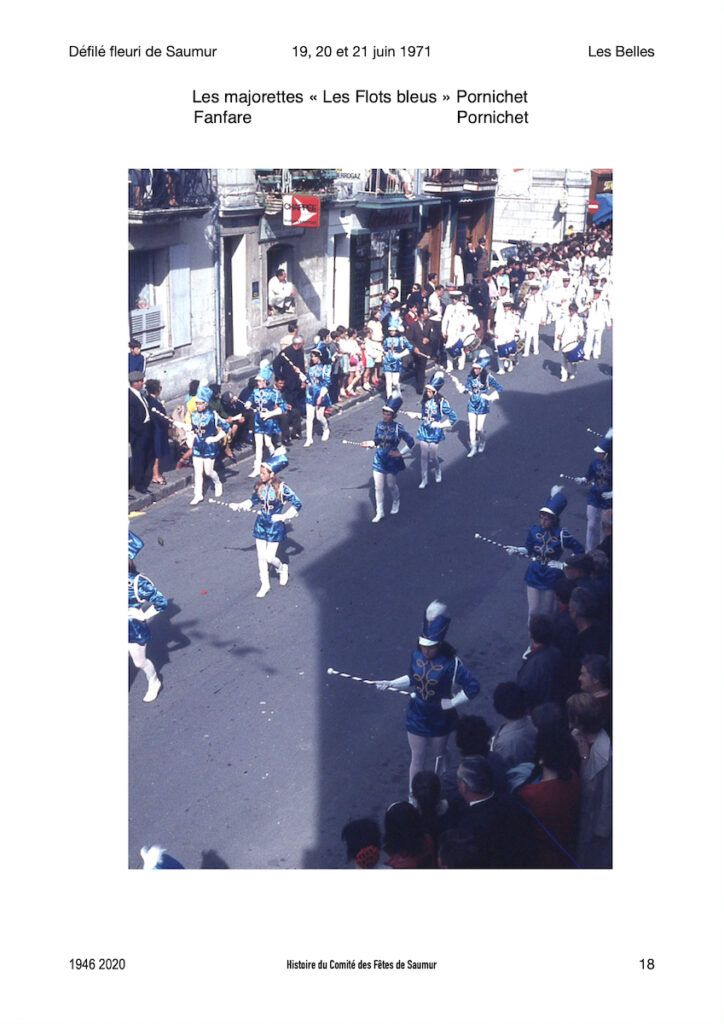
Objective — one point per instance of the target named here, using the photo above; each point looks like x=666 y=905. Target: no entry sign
x=593 y=207
x=301 y=211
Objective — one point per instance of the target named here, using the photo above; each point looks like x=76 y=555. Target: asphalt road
x=254 y=757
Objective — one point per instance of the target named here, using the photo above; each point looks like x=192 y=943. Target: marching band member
x=268 y=404
x=483 y=389
x=205 y=430
x=507 y=329
x=456 y=326
x=319 y=378
x=437 y=416
x=270 y=495
x=142 y=591
x=390 y=442
x=569 y=332
x=394 y=346
x=544 y=545
x=599 y=317
x=534 y=314
x=441 y=683
x=600 y=483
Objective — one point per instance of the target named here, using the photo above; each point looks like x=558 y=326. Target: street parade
x=304 y=703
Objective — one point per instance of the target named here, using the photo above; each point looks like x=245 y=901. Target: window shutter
x=147 y=326
x=180 y=280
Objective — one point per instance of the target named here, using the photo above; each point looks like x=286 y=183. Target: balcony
x=160 y=193
x=481 y=180
x=273 y=183
x=444 y=180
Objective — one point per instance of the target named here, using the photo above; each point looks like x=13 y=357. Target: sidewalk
x=180 y=479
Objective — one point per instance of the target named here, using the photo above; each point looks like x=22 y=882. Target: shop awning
x=604 y=213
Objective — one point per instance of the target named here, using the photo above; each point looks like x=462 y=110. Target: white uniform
x=569 y=331
x=599 y=317
x=533 y=316
x=558 y=303
x=456 y=326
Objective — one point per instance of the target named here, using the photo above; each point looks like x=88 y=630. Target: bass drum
x=507 y=350
x=575 y=355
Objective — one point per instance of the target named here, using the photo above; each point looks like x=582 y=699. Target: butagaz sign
x=301 y=211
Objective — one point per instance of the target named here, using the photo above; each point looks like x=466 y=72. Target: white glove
x=414 y=415
x=136 y=613
x=444 y=424
x=512 y=550
x=608 y=495
x=401 y=683
x=277 y=519
x=150 y=613
x=493 y=396
x=457 y=700
x=580 y=480
x=240 y=506
x=382 y=684
x=403 y=448
x=369 y=444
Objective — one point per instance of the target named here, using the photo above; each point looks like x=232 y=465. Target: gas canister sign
x=301 y=211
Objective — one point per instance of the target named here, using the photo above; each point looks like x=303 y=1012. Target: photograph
x=370 y=504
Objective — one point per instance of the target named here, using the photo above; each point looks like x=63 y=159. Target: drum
x=507 y=350
x=575 y=355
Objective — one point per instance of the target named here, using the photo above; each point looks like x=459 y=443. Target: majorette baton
x=359 y=679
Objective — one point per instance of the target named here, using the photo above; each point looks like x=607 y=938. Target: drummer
x=569 y=333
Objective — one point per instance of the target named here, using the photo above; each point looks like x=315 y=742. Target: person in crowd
x=507 y=331
x=280 y=294
x=458 y=848
x=532 y=318
x=144 y=602
x=269 y=497
x=599 y=480
x=391 y=443
x=160 y=421
x=290 y=367
x=595 y=678
x=568 y=335
x=544 y=547
x=423 y=349
x=606 y=545
x=514 y=740
x=427 y=797
x=239 y=418
x=593 y=637
x=598 y=318
x=395 y=347
x=456 y=327
x=363 y=841
x=374 y=347
x=435 y=673
x=551 y=796
x=594 y=846
x=406 y=842
x=436 y=416
x=136 y=360
x=140 y=432
x=540 y=674
x=498 y=822
x=482 y=389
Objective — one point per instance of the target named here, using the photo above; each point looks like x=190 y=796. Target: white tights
x=476 y=422
x=266 y=555
x=316 y=411
x=379 y=479
x=260 y=440
x=201 y=467
x=392 y=383
x=419 y=746
x=428 y=458
x=139 y=659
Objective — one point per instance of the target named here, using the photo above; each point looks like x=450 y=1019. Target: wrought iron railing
x=166 y=188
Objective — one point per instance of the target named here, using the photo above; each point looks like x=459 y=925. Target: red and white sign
x=593 y=207
x=302 y=211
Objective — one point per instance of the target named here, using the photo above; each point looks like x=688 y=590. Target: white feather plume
x=556 y=490
x=264 y=363
x=434 y=609
x=151 y=857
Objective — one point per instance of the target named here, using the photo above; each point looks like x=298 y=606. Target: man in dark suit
x=499 y=823
x=420 y=334
x=140 y=432
x=289 y=367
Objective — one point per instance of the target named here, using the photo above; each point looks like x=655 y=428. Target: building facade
x=540 y=205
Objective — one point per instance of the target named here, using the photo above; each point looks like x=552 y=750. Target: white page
x=509 y=949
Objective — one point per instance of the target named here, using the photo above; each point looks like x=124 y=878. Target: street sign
x=593 y=207
x=301 y=211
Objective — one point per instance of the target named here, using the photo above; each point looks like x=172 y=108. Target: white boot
x=325 y=434
x=264 y=578
x=284 y=575
x=481 y=445
x=395 y=507
x=379 y=514
x=438 y=475
x=218 y=490
x=423 y=482
x=154 y=688
x=255 y=471
x=473 y=450
x=197 y=499
x=308 y=443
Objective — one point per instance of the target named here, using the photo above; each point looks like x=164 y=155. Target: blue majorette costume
x=600 y=489
x=205 y=432
x=544 y=547
x=482 y=388
x=268 y=404
x=394 y=348
x=436 y=417
x=319 y=378
x=440 y=682
x=141 y=591
x=269 y=498
x=391 y=442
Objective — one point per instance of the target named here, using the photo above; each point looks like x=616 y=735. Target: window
x=146 y=311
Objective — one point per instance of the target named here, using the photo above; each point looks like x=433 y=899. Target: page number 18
x=647 y=965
